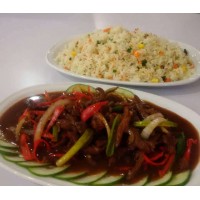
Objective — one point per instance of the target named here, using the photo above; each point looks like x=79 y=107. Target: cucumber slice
x=141 y=182
x=70 y=175
x=108 y=180
x=8 y=145
x=180 y=178
x=8 y=151
x=81 y=88
x=161 y=181
x=32 y=164
x=14 y=158
x=124 y=93
x=88 y=179
x=47 y=171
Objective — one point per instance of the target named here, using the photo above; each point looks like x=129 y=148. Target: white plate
x=160 y=101
x=194 y=54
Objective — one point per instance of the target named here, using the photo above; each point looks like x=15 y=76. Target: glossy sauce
x=11 y=116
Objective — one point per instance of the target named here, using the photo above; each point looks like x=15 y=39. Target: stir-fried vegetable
x=57 y=112
x=21 y=122
x=24 y=147
x=91 y=110
x=110 y=144
x=146 y=132
x=103 y=120
x=44 y=119
x=87 y=135
x=104 y=130
x=190 y=143
x=181 y=145
x=144 y=123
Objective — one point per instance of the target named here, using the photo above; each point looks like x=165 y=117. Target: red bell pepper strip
x=91 y=110
x=56 y=114
x=25 y=150
x=152 y=162
x=48 y=136
x=24 y=115
x=167 y=166
x=80 y=95
x=47 y=97
x=56 y=155
x=37 y=112
x=157 y=156
x=47 y=103
x=190 y=142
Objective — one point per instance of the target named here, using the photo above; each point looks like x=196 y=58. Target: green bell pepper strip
x=55 y=133
x=164 y=124
x=110 y=145
x=87 y=135
x=180 y=145
x=118 y=108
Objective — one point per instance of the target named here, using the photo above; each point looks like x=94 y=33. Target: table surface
x=25 y=39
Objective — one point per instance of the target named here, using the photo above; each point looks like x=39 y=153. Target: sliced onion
x=19 y=127
x=147 y=131
x=153 y=116
x=46 y=116
x=102 y=118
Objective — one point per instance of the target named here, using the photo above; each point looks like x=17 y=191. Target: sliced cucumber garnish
x=161 y=181
x=180 y=178
x=108 y=180
x=141 y=182
x=7 y=145
x=88 y=179
x=124 y=93
x=8 y=151
x=14 y=158
x=70 y=175
x=32 y=164
x=47 y=171
x=81 y=88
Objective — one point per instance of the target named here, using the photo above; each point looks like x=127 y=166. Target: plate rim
x=59 y=45
x=163 y=102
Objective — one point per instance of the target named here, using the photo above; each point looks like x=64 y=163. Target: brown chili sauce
x=9 y=119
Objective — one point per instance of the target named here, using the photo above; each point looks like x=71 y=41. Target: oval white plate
x=160 y=101
x=193 y=52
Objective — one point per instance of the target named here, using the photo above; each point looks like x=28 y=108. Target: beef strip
x=97 y=124
x=123 y=126
x=138 y=158
x=136 y=141
x=140 y=107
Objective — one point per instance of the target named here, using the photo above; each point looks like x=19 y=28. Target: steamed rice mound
x=118 y=54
